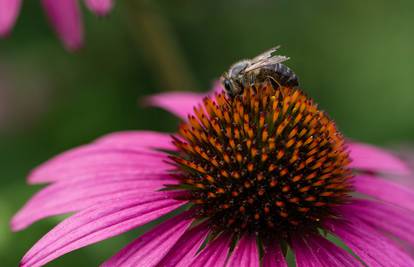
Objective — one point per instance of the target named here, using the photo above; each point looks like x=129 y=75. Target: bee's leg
x=252 y=79
x=274 y=81
x=277 y=85
x=253 y=82
x=238 y=88
x=242 y=84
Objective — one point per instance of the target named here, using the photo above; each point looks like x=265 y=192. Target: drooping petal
x=65 y=17
x=94 y=161
x=314 y=250
x=9 y=11
x=369 y=245
x=100 y=7
x=184 y=251
x=97 y=223
x=64 y=197
x=150 y=248
x=273 y=256
x=394 y=220
x=214 y=254
x=180 y=104
x=137 y=140
x=245 y=253
x=385 y=190
x=371 y=158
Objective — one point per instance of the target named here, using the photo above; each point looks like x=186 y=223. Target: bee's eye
x=227 y=85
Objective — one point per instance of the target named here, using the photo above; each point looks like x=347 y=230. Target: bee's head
x=231 y=86
x=231 y=78
x=226 y=81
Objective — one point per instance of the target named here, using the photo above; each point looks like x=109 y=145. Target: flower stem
x=153 y=34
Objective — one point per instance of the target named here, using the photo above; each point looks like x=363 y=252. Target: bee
x=257 y=70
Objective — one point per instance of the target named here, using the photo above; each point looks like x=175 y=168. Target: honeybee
x=257 y=70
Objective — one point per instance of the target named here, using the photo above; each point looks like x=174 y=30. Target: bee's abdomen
x=287 y=76
x=280 y=73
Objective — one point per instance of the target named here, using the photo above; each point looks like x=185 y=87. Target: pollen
x=268 y=161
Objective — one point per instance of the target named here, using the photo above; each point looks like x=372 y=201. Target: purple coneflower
x=64 y=16
x=248 y=179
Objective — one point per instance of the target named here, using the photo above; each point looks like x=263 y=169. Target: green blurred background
x=356 y=58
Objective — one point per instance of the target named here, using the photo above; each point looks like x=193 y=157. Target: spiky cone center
x=268 y=161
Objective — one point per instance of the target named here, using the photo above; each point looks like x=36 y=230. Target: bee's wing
x=265 y=55
x=266 y=61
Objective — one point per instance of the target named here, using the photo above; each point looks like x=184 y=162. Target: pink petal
x=64 y=197
x=184 y=251
x=385 y=190
x=396 y=221
x=367 y=157
x=88 y=152
x=97 y=223
x=325 y=252
x=304 y=256
x=245 y=253
x=9 y=10
x=273 y=256
x=100 y=7
x=65 y=17
x=369 y=245
x=214 y=254
x=180 y=104
x=118 y=153
x=95 y=161
x=151 y=247
x=114 y=172
x=139 y=140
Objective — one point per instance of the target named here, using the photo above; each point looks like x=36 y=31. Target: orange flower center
x=267 y=161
